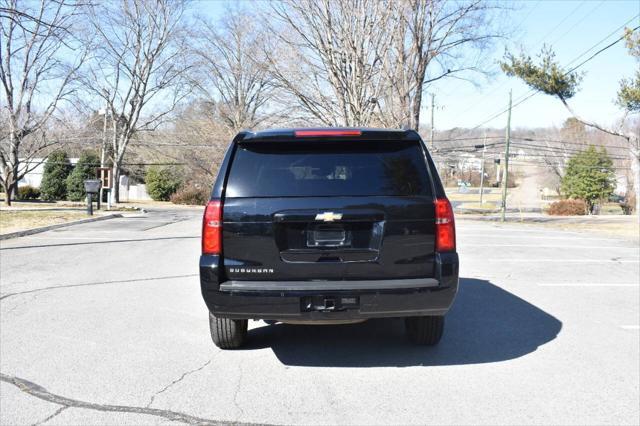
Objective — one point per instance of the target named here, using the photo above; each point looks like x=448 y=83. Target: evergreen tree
x=589 y=176
x=56 y=170
x=162 y=182
x=84 y=169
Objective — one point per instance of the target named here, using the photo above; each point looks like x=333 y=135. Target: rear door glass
x=355 y=168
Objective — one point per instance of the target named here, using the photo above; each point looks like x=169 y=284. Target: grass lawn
x=611 y=208
x=472 y=198
x=478 y=206
x=627 y=229
x=16 y=220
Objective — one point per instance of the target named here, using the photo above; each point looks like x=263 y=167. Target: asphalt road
x=103 y=323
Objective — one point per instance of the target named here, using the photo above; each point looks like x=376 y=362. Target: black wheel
x=424 y=330
x=227 y=333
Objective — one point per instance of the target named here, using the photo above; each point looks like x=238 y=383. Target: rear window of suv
x=271 y=169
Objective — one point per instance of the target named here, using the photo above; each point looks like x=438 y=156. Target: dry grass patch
x=16 y=220
x=478 y=206
x=627 y=229
x=473 y=198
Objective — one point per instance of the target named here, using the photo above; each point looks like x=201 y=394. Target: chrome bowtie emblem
x=328 y=216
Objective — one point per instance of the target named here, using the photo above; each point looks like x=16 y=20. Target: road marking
x=512 y=229
x=630 y=327
x=549 y=246
x=562 y=260
x=588 y=285
x=518 y=229
x=568 y=237
x=92 y=238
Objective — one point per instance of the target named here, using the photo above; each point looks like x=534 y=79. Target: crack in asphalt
x=96 y=283
x=99 y=242
x=19 y=305
x=237 y=391
x=185 y=374
x=55 y=413
x=38 y=391
x=177 y=220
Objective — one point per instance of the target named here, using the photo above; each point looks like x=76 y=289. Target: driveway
x=103 y=323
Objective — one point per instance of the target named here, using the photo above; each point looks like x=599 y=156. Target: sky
x=571 y=28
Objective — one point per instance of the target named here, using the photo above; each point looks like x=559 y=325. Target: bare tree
x=139 y=69
x=37 y=79
x=558 y=149
x=197 y=138
x=328 y=56
x=365 y=62
x=232 y=75
x=436 y=39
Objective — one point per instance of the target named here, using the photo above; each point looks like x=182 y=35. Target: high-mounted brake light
x=445 y=226
x=212 y=228
x=321 y=133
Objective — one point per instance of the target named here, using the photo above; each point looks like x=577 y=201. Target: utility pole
x=484 y=148
x=103 y=151
x=506 y=161
x=433 y=106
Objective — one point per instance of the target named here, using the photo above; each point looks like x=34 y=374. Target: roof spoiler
x=326 y=134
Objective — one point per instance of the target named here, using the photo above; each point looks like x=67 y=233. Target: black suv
x=328 y=226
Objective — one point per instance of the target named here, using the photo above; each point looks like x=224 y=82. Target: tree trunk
x=10 y=180
x=415 y=108
x=13 y=192
x=7 y=191
x=635 y=168
x=116 y=182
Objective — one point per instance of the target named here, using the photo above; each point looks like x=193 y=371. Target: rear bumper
x=330 y=300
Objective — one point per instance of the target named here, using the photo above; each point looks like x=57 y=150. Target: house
x=34 y=177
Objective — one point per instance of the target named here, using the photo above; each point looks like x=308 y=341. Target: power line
x=537 y=148
x=606 y=37
x=578 y=22
x=533 y=162
x=528 y=139
x=546 y=154
x=533 y=92
x=536 y=43
x=533 y=8
x=570 y=14
x=468 y=139
x=603 y=145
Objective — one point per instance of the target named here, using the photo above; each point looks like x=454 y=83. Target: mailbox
x=92 y=186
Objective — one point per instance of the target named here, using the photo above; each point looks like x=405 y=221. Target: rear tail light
x=320 y=133
x=445 y=226
x=212 y=228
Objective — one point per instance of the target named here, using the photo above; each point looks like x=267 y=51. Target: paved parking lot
x=103 y=323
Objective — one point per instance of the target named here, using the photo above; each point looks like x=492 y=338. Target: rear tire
x=227 y=333
x=424 y=330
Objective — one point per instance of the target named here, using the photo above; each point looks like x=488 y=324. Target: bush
x=28 y=192
x=84 y=169
x=162 y=182
x=568 y=208
x=192 y=195
x=589 y=176
x=54 y=178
